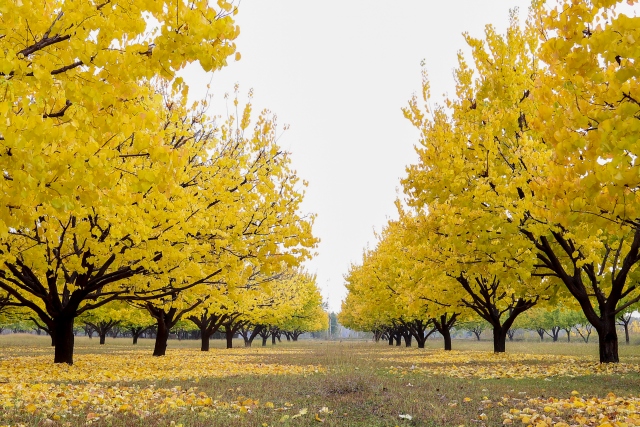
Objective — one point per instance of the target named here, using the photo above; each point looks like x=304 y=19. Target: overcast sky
x=339 y=72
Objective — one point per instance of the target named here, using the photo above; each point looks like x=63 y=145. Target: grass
x=359 y=383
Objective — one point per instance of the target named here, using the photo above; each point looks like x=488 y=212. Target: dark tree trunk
x=477 y=333
x=407 y=339
x=626 y=332
x=398 y=340
x=583 y=281
x=484 y=301
x=390 y=339
x=135 y=339
x=273 y=339
x=229 y=333
x=162 y=336
x=446 y=334
x=541 y=333
x=103 y=337
x=63 y=342
x=264 y=341
x=499 y=340
x=249 y=337
x=608 y=340
x=444 y=325
x=568 y=331
x=555 y=332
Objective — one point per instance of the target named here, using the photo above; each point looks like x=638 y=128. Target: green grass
x=357 y=386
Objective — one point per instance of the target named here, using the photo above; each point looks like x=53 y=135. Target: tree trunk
x=390 y=339
x=63 y=342
x=444 y=325
x=541 y=333
x=273 y=339
x=499 y=340
x=608 y=340
x=626 y=332
x=229 y=335
x=407 y=339
x=162 y=336
x=135 y=338
x=204 y=342
x=264 y=341
x=446 y=334
x=103 y=337
x=398 y=340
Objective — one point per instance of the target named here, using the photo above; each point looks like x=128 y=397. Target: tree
x=476 y=326
x=468 y=174
x=589 y=241
x=80 y=222
x=104 y=319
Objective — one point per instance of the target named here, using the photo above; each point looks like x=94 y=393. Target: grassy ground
x=351 y=383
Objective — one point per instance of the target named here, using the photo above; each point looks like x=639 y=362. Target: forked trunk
x=63 y=342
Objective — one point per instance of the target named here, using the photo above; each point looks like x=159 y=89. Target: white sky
x=338 y=72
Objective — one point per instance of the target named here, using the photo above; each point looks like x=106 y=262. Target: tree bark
x=264 y=341
x=444 y=325
x=608 y=340
x=390 y=339
x=63 y=342
x=499 y=340
x=229 y=336
x=162 y=336
x=103 y=337
x=446 y=334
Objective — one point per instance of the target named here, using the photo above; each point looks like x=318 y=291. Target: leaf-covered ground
x=313 y=383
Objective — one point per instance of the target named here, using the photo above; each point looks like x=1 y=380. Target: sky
x=338 y=73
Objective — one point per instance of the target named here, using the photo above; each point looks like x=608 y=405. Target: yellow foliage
x=93 y=383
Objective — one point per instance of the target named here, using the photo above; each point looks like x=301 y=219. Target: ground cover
x=312 y=383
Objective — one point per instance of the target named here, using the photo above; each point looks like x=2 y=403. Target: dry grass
x=357 y=386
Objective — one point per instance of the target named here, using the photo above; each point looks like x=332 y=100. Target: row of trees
x=526 y=189
x=116 y=189
x=119 y=318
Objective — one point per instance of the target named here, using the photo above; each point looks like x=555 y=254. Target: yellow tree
x=476 y=159
x=90 y=173
x=248 y=201
x=583 y=218
x=307 y=314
